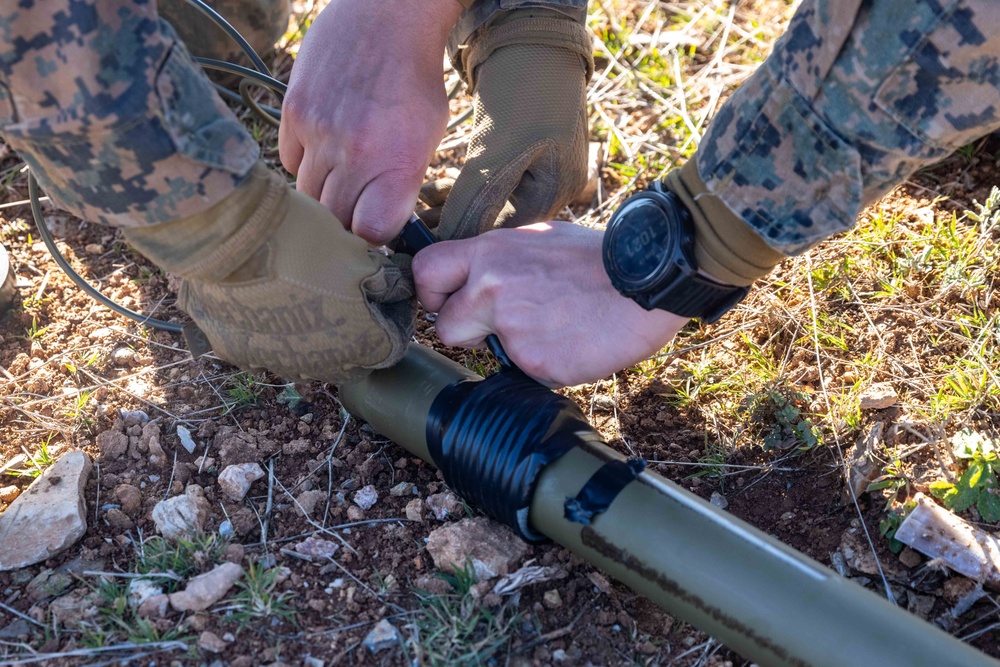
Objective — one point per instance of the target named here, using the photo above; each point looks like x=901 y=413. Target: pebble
x=47 y=518
x=719 y=500
x=124 y=356
x=211 y=642
x=226 y=529
x=206 y=589
x=130 y=498
x=94 y=248
x=552 y=599
x=492 y=548
x=443 y=505
x=384 y=635
x=878 y=397
x=401 y=489
x=235 y=480
x=355 y=514
x=187 y=442
x=140 y=590
x=415 y=510
x=366 y=497
x=9 y=493
x=309 y=500
x=182 y=516
x=317 y=548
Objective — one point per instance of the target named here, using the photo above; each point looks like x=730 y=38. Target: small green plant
x=117 y=622
x=244 y=391
x=456 y=628
x=978 y=484
x=894 y=480
x=39 y=462
x=257 y=597
x=888 y=526
x=176 y=560
x=777 y=417
x=34 y=332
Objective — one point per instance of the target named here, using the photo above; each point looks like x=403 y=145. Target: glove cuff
x=212 y=244
x=557 y=31
x=725 y=246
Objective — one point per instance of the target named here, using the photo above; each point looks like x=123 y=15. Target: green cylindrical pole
x=760 y=597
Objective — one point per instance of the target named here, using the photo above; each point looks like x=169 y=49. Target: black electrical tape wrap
x=491 y=439
x=601 y=490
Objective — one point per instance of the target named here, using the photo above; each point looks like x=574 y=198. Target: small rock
x=492 y=548
x=415 y=510
x=366 y=497
x=131 y=417
x=384 y=635
x=552 y=599
x=130 y=498
x=355 y=513
x=878 y=397
x=16 y=630
x=211 y=642
x=187 y=442
x=47 y=518
x=8 y=494
x=183 y=516
x=118 y=521
x=140 y=590
x=74 y=608
x=48 y=584
x=235 y=480
x=234 y=553
x=309 y=500
x=154 y=606
x=113 y=444
x=444 y=504
x=316 y=548
x=433 y=584
x=295 y=447
x=719 y=500
x=206 y=589
x=910 y=557
x=123 y=357
x=600 y=582
x=401 y=489
x=94 y=249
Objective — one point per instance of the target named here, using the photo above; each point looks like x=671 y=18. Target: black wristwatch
x=649 y=256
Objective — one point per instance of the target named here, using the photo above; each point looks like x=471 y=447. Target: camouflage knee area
x=261 y=22
x=115 y=119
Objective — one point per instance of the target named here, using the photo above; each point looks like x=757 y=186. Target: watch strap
x=694 y=295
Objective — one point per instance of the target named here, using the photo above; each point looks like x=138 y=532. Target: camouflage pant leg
x=857 y=95
x=116 y=121
x=260 y=22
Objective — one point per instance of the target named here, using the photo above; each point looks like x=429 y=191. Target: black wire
x=50 y=243
x=216 y=18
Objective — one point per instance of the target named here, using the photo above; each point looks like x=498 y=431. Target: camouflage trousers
x=121 y=127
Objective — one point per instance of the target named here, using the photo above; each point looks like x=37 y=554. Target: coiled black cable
x=492 y=438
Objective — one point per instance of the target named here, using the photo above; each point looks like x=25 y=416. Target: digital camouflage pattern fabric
x=857 y=96
x=116 y=121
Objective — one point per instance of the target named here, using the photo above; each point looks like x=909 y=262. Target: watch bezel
x=674 y=256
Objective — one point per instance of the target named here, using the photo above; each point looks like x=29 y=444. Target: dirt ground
x=71 y=370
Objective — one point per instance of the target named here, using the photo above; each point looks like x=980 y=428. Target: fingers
x=290 y=149
x=441 y=270
x=384 y=205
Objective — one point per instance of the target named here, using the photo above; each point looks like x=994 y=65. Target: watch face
x=641 y=242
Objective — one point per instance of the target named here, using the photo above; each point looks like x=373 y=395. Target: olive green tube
x=760 y=597
x=397 y=400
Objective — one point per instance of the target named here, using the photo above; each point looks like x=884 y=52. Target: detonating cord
x=261 y=76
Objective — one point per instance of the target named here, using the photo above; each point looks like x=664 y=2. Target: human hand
x=527 y=155
x=543 y=290
x=366 y=108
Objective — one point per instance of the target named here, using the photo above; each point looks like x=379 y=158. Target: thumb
x=481 y=192
x=440 y=270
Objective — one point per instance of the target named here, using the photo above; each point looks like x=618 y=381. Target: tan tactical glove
x=276 y=282
x=528 y=154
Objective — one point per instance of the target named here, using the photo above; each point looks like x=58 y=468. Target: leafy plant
x=888 y=526
x=777 y=417
x=39 y=462
x=978 y=484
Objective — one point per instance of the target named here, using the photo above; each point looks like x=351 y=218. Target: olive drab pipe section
x=763 y=599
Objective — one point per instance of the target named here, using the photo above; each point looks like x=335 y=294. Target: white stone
x=140 y=590
x=206 y=589
x=492 y=548
x=182 y=516
x=719 y=500
x=384 y=635
x=878 y=397
x=47 y=518
x=187 y=442
x=236 y=479
x=366 y=497
x=316 y=548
